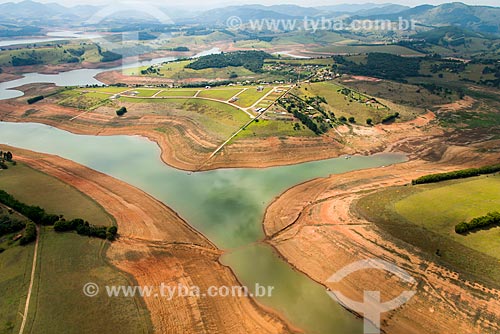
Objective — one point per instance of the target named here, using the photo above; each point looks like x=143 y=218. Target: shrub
x=460 y=174
x=491 y=219
x=29 y=234
x=122 y=111
x=35 y=99
x=390 y=118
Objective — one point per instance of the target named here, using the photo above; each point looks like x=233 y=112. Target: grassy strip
x=460 y=174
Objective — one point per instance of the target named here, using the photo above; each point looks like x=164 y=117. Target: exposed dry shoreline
x=314 y=228
x=156 y=246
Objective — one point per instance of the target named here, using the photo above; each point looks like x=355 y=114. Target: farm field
x=66 y=261
x=15 y=266
x=411 y=214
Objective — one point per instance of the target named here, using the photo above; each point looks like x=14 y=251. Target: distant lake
x=79 y=77
x=52 y=37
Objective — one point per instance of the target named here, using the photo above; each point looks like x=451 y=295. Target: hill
x=477 y=18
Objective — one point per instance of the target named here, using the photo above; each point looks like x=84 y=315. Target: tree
x=8 y=156
x=352 y=120
x=369 y=121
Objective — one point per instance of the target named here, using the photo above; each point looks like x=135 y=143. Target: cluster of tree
x=30 y=59
x=108 y=56
x=449 y=66
x=491 y=219
x=383 y=65
x=10 y=225
x=206 y=83
x=307 y=121
x=76 y=52
x=34 y=213
x=296 y=104
x=390 y=118
x=6 y=156
x=180 y=49
x=495 y=70
x=151 y=70
x=29 y=234
x=9 y=30
x=492 y=70
x=85 y=228
x=35 y=99
x=251 y=60
x=146 y=36
x=122 y=111
x=459 y=174
x=436 y=90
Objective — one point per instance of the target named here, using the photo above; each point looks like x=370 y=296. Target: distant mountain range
x=476 y=18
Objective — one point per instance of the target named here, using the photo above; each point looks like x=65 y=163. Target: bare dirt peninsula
x=187 y=144
x=156 y=246
x=315 y=227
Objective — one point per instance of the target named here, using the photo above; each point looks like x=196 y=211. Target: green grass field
x=83 y=99
x=145 y=92
x=35 y=188
x=250 y=96
x=15 y=268
x=108 y=89
x=177 y=92
x=425 y=215
x=220 y=93
x=65 y=263
x=458 y=201
x=218 y=118
x=273 y=128
x=342 y=105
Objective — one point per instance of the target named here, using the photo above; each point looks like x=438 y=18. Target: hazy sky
x=217 y=3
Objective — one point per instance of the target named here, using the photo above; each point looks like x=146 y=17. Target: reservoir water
x=226 y=205
x=78 y=77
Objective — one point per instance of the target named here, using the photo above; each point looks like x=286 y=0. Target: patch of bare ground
x=156 y=246
x=8 y=77
x=315 y=227
x=462 y=104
